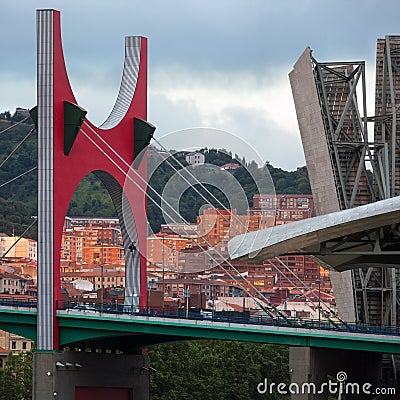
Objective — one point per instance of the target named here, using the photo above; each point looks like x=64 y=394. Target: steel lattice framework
x=330 y=101
x=345 y=128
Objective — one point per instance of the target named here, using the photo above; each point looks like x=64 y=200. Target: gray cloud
x=258 y=38
x=161 y=109
x=279 y=147
x=231 y=34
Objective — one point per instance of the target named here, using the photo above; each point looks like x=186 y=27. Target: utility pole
x=102 y=268
x=148 y=298
x=212 y=288
x=319 y=297
x=163 y=274
x=187 y=295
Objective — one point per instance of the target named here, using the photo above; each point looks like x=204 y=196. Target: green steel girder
x=144 y=332
x=129 y=334
x=21 y=323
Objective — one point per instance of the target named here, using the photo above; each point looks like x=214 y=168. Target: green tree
x=5 y=115
x=218 y=370
x=16 y=377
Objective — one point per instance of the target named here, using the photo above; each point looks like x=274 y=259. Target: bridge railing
x=192 y=314
x=18 y=302
x=206 y=315
x=227 y=317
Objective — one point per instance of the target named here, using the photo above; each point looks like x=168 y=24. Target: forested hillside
x=18 y=199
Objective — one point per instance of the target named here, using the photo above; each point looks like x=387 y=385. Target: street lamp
x=202 y=296
x=102 y=288
x=319 y=300
x=319 y=303
x=102 y=268
x=212 y=288
x=148 y=296
x=186 y=294
x=163 y=275
x=134 y=301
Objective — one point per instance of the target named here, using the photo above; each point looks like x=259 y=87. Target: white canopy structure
x=363 y=236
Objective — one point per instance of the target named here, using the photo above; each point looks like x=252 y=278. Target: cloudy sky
x=213 y=63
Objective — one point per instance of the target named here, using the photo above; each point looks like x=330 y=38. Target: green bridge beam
x=147 y=327
x=137 y=331
x=19 y=322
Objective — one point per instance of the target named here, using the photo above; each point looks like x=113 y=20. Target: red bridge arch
x=71 y=147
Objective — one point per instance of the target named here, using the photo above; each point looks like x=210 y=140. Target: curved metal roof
x=341 y=240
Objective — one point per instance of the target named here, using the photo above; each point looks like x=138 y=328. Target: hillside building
x=195 y=158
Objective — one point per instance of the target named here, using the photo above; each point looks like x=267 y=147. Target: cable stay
x=221 y=214
x=20 y=237
x=15 y=125
x=18 y=146
x=305 y=295
x=238 y=220
x=19 y=176
x=311 y=290
x=185 y=222
x=278 y=313
x=181 y=175
x=179 y=172
x=199 y=193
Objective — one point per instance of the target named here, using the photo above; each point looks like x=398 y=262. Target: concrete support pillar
x=318 y=366
x=90 y=376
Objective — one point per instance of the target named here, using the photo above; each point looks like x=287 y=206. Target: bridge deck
x=129 y=332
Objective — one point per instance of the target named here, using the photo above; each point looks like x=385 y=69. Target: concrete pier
x=90 y=376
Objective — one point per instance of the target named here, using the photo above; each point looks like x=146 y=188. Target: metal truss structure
x=345 y=128
x=338 y=85
x=387 y=113
x=364 y=171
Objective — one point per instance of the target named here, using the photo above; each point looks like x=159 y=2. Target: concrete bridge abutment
x=72 y=375
x=356 y=372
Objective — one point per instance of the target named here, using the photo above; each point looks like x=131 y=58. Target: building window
x=24 y=345
x=13 y=345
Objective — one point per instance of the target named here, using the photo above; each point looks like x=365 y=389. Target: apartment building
x=12 y=283
x=13 y=247
x=82 y=234
x=164 y=249
x=284 y=207
x=104 y=278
